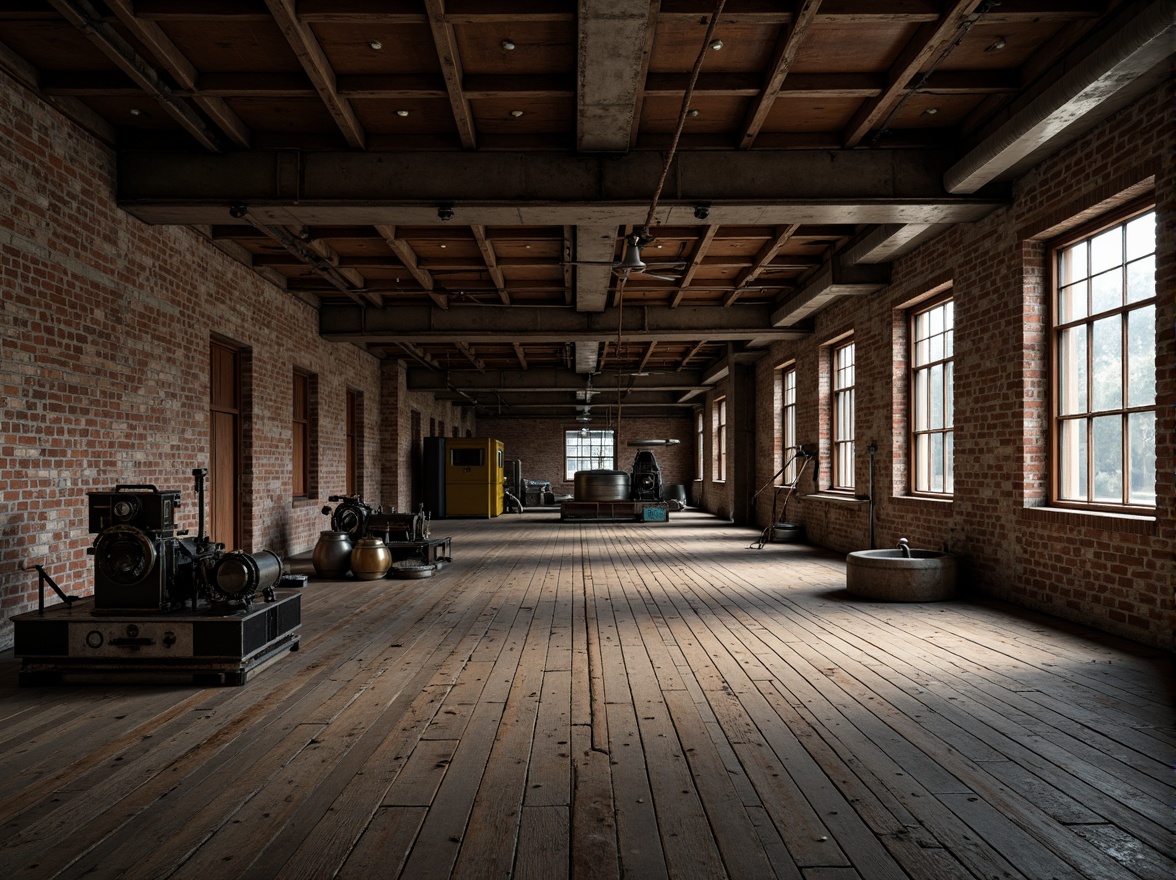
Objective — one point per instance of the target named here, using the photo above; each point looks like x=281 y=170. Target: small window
x=788 y=425
x=1104 y=362
x=843 y=416
x=932 y=378
x=721 y=439
x=467 y=457
x=586 y=450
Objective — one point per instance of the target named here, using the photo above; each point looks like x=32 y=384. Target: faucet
x=905 y=546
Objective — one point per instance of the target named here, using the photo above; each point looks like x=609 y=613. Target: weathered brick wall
x=539 y=445
x=105 y=326
x=1115 y=573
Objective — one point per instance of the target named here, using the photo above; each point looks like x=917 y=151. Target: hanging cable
x=710 y=32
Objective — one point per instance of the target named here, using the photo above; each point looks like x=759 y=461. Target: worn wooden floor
x=589 y=700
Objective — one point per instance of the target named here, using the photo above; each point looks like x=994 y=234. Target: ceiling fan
x=631 y=263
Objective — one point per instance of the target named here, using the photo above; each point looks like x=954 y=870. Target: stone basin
x=890 y=576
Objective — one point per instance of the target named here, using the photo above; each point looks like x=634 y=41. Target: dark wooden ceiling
x=449 y=181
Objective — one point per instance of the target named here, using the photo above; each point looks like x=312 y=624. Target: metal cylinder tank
x=601 y=485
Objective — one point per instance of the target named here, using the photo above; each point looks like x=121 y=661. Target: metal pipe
x=873 y=451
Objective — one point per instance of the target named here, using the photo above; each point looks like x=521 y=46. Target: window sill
x=835 y=498
x=1130 y=523
x=302 y=501
x=922 y=499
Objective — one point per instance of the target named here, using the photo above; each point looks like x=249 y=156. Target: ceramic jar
x=332 y=555
x=371 y=559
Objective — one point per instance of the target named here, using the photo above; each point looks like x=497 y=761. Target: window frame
x=1079 y=236
x=841 y=446
x=947 y=430
x=303 y=435
x=607 y=450
x=788 y=441
x=700 y=445
x=720 y=439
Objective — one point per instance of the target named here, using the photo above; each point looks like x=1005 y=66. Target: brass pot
x=371 y=559
x=332 y=555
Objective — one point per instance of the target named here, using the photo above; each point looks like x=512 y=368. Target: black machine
x=405 y=534
x=645 y=483
x=141 y=563
x=163 y=601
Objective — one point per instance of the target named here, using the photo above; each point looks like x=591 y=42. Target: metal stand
x=44 y=578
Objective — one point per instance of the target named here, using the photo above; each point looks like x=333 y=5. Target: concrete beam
x=836 y=278
x=610 y=70
x=492 y=324
x=543 y=380
x=594 y=244
x=881 y=244
x=545 y=189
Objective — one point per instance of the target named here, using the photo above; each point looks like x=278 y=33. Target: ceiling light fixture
x=445 y=213
x=516 y=113
x=997 y=45
x=716 y=44
x=376 y=44
x=692 y=113
x=508 y=45
x=931 y=111
x=701 y=211
x=401 y=112
x=135 y=111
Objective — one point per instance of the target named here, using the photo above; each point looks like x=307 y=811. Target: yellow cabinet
x=474 y=476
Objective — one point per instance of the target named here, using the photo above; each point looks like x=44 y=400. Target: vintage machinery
x=407 y=535
x=474 y=476
x=645 y=483
x=163 y=601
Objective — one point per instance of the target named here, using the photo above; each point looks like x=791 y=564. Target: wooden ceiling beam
x=445 y=40
x=465 y=349
x=409 y=258
x=491 y=260
x=695 y=349
x=704 y=242
x=646 y=357
x=82 y=15
x=782 y=58
x=929 y=42
x=182 y=70
x=520 y=354
x=314 y=61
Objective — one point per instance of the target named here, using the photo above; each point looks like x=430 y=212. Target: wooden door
x=224 y=466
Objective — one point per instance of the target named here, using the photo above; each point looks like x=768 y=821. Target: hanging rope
x=710 y=32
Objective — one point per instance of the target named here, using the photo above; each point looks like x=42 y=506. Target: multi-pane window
x=586 y=450
x=932 y=405
x=1104 y=338
x=699 y=445
x=721 y=439
x=788 y=424
x=843 y=416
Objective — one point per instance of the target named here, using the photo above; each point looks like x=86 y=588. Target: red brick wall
x=105 y=326
x=1115 y=573
x=539 y=445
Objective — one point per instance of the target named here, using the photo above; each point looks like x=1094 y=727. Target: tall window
x=699 y=445
x=1104 y=338
x=721 y=439
x=843 y=416
x=586 y=450
x=304 y=435
x=932 y=404
x=788 y=424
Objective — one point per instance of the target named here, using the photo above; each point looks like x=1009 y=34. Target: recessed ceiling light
x=931 y=111
x=135 y=111
x=716 y=44
x=508 y=45
x=998 y=44
x=401 y=112
x=376 y=44
x=691 y=113
x=444 y=246
x=516 y=113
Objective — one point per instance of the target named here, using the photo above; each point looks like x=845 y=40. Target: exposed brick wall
x=105 y=326
x=539 y=445
x=1112 y=572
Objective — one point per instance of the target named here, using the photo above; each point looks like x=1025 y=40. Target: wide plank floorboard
x=607 y=700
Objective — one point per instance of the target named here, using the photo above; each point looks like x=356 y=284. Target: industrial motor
x=143 y=564
x=356 y=517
